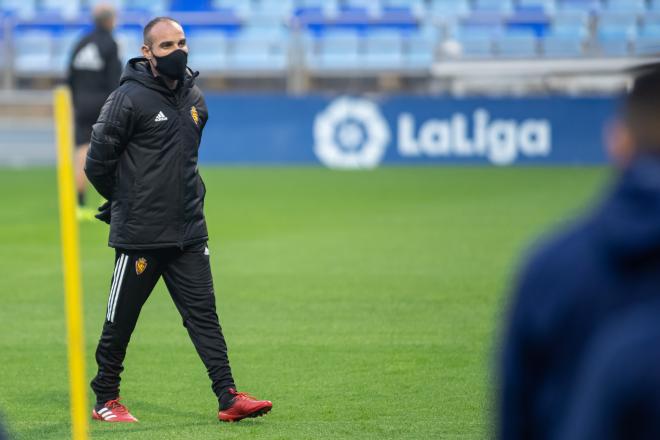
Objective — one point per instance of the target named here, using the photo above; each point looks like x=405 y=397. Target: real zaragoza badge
x=194 y=114
x=140 y=265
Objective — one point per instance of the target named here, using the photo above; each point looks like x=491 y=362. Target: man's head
x=104 y=16
x=165 y=47
x=638 y=128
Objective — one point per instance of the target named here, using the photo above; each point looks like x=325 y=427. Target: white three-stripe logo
x=106 y=414
x=160 y=117
x=117 y=278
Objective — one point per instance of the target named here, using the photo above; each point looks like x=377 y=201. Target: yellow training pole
x=71 y=264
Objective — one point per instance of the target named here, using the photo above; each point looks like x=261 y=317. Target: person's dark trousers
x=187 y=274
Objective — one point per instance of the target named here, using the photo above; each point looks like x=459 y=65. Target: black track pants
x=187 y=274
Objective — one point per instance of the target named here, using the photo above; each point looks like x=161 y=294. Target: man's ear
x=621 y=146
x=146 y=52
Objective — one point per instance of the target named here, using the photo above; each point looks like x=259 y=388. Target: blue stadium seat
x=253 y=52
x=22 y=8
x=373 y=8
x=648 y=41
x=630 y=6
x=270 y=31
x=188 y=6
x=547 y=6
x=34 y=51
x=129 y=42
x=305 y=4
x=429 y=29
x=476 y=33
x=572 y=22
x=535 y=21
x=448 y=10
x=265 y=19
x=419 y=50
x=517 y=44
x=416 y=7
x=384 y=49
x=578 y=5
x=328 y=8
x=156 y=7
x=614 y=45
x=499 y=6
x=615 y=32
x=357 y=16
x=278 y=9
x=339 y=49
x=623 y=23
x=69 y=8
x=563 y=45
x=654 y=5
x=566 y=34
x=477 y=41
x=208 y=50
x=651 y=19
x=476 y=46
x=242 y=8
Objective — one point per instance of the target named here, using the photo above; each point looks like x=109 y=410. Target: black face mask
x=173 y=66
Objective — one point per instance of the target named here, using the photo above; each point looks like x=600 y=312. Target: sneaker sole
x=258 y=413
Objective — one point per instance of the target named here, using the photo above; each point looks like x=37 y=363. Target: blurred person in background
x=617 y=396
x=94 y=71
x=585 y=275
x=143 y=159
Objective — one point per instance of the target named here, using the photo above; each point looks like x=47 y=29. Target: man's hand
x=104 y=212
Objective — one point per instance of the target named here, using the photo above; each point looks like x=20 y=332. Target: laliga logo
x=501 y=141
x=351 y=133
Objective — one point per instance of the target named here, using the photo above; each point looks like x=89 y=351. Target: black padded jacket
x=143 y=158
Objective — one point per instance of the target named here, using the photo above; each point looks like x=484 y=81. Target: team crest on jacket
x=140 y=265
x=194 y=114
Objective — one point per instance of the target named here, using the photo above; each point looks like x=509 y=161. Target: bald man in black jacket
x=143 y=159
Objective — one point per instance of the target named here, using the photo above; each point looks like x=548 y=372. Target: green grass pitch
x=363 y=304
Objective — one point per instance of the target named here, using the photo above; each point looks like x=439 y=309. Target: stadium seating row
x=374 y=8
x=249 y=35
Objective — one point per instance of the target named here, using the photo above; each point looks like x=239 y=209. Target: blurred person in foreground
x=94 y=71
x=585 y=275
x=617 y=396
x=143 y=159
x=3 y=433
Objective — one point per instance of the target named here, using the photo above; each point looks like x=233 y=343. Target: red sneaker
x=244 y=406
x=113 y=411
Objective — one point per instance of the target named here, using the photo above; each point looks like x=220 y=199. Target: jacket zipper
x=177 y=101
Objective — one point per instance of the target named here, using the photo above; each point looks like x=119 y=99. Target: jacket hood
x=138 y=70
x=629 y=221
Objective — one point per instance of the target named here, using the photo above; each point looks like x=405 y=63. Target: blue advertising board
x=365 y=132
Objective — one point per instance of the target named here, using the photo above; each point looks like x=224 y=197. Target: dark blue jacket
x=572 y=285
x=617 y=396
